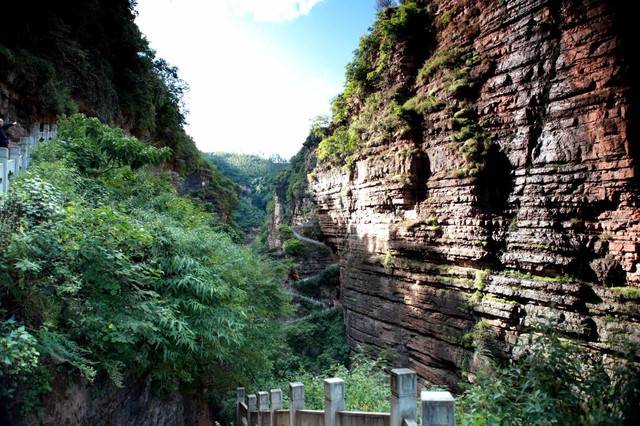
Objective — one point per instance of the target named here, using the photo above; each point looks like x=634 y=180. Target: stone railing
x=16 y=159
x=266 y=408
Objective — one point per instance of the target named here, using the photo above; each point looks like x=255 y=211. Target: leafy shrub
x=18 y=352
x=338 y=146
x=314 y=343
x=285 y=232
x=313 y=286
x=92 y=148
x=366 y=385
x=127 y=278
x=423 y=104
x=38 y=200
x=293 y=247
x=628 y=293
x=439 y=60
x=554 y=383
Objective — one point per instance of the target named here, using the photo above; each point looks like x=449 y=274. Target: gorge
x=472 y=198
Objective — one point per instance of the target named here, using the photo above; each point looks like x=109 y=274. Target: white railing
x=16 y=159
x=266 y=408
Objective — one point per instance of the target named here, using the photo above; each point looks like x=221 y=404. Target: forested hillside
x=254 y=176
x=107 y=273
x=89 y=56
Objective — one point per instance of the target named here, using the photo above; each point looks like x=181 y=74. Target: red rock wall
x=427 y=254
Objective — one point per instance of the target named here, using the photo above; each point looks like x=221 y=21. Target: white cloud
x=245 y=95
x=272 y=10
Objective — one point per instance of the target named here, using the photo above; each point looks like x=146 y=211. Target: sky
x=258 y=70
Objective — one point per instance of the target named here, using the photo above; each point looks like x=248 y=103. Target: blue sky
x=259 y=70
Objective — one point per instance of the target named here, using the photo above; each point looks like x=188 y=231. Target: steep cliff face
x=512 y=200
x=76 y=402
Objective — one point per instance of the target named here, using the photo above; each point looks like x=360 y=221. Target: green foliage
x=381 y=120
x=388 y=261
x=480 y=338
x=335 y=148
x=313 y=286
x=408 y=23
x=254 y=176
x=62 y=60
x=293 y=247
x=340 y=109
x=439 y=60
x=114 y=274
x=554 y=383
x=366 y=386
x=291 y=182
x=285 y=232
x=314 y=343
x=420 y=104
x=476 y=143
x=559 y=279
x=364 y=113
x=91 y=147
x=628 y=293
x=480 y=281
x=18 y=351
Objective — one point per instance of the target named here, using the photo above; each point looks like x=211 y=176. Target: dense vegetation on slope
x=292 y=181
x=386 y=98
x=370 y=110
x=105 y=270
x=90 y=56
x=254 y=176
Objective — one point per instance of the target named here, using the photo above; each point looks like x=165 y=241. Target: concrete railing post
x=403 y=396
x=24 y=152
x=45 y=132
x=276 y=404
x=438 y=409
x=35 y=132
x=4 y=162
x=252 y=406
x=333 y=400
x=15 y=155
x=240 y=397
x=263 y=407
x=296 y=400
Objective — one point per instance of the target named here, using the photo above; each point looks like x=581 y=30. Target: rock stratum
x=444 y=249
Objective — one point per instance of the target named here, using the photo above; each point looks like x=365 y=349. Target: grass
x=422 y=104
x=606 y=236
x=389 y=261
x=560 y=279
x=627 y=293
x=432 y=223
x=439 y=60
x=480 y=281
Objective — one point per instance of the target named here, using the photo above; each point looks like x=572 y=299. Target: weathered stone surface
x=79 y=403
x=558 y=204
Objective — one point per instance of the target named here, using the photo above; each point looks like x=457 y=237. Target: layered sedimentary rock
x=547 y=230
